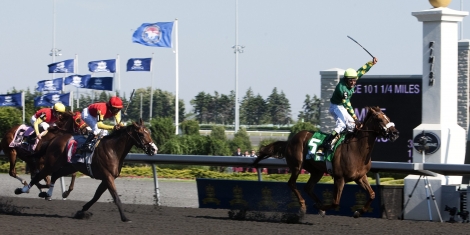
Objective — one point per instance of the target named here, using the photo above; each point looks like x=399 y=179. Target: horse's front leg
x=117 y=200
x=66 y=170
x=364 y=183
x=84 y=214
x=339 y=185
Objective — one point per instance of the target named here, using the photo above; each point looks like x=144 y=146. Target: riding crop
x=361 y=46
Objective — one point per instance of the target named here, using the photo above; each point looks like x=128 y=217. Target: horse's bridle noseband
x=140 y=141
x=385 y=129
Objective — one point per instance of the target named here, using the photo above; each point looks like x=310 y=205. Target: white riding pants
x=342 y=118
x=43 y=125
x=92 y=122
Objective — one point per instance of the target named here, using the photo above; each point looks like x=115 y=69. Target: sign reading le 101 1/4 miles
x=400 y=99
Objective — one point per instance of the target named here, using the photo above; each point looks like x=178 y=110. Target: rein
x=138 y=141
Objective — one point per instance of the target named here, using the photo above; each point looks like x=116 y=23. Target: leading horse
x=351 y=160
x=107 y=160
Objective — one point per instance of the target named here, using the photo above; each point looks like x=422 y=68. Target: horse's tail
x=275 y=149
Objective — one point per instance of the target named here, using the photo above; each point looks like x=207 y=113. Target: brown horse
x=351 y=160
x=24 y=153
x=107 y=160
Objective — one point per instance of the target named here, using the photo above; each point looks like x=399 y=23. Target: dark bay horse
x=351 y=161
x=107 y=160
x=67 y=121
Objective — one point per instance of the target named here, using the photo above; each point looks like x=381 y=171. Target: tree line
x=206 y=108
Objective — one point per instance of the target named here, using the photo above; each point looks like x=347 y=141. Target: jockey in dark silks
x=340 y=107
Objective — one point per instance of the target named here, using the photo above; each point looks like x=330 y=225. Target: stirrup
x=320 y=151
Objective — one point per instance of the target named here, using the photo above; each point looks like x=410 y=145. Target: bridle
x=139 y=141
x=384 y=129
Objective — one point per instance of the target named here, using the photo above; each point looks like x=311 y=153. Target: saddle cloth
x=22 y=132
x=316 y=141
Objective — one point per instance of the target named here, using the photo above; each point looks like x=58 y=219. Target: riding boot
x=87 y=146
x=328 y=143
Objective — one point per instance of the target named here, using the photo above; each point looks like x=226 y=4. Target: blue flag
x=65 y=66
x=100 y=83
x=154 y=34
x=13 y=100
x=102 y=66
x=50 y=85
x=79 y=81
x=51 y=99
x=139 y=64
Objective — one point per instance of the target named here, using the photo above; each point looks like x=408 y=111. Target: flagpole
x=22 y=103
x=177 y=79
x=71 y=100
x=151 y=88
x=75 y=68
x=118 y=71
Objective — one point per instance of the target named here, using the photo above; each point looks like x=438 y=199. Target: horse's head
x=381 y=124
x=141 y=136
x=65 y=121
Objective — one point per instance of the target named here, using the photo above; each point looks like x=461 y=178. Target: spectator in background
x=253 y=153
x=246 y=154
x=237 y=153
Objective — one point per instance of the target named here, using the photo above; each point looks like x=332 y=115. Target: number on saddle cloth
x=316 y=141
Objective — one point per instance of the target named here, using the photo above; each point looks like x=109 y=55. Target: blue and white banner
x=65 y=66
x=12 y=100
x=102 y=66
x=154 y=34
x=50 y=99
x=100 y=83
x=139 y=64
x=79 y=81
x=50 y=85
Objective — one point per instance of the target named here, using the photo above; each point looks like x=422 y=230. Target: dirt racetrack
x=56 y=217
x=177 y=215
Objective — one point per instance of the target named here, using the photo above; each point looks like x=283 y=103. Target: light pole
x=55 y=51
x=236 y=49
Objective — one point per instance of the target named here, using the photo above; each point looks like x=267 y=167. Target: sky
x=287 y=43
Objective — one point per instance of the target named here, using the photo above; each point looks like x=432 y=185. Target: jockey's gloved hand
x=358 y=123
x=117 y=127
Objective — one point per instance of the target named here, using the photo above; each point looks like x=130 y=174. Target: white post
x=177 y=78
x=440 y=87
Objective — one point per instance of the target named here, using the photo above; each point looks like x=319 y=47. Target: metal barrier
x=428 y=169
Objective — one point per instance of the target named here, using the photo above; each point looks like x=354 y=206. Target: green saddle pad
x=316 y=141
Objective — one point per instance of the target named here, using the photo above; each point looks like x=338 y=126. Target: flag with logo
x=50 y=99
x=50 y=85
x=65 y=66
x=100 y=83
x=102 y=66
x=139 y=64
x=79 y=81
x=154 y=34
x=12 y=100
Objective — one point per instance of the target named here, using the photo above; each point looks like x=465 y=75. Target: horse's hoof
x=65 y=194
x=43 y=194
x=322 y=213
x=48 y=198
x=83 y=215
x=357 y=214
x=18 y=191
x=127 y=221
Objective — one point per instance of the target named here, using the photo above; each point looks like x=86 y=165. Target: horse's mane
x=120 y=131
